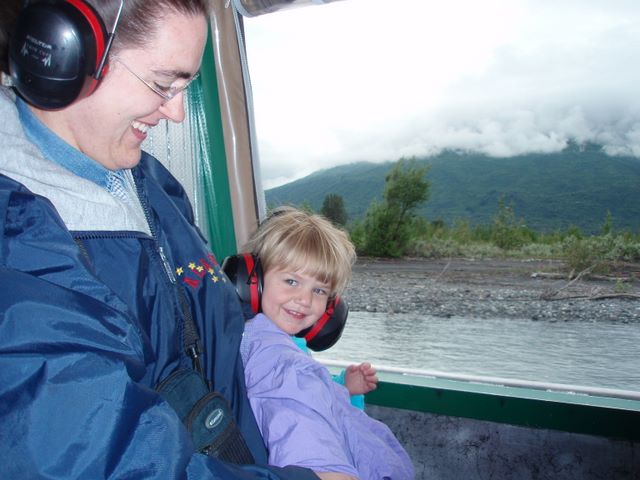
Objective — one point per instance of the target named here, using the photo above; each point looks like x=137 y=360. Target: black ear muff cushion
x=245 y=273
x=54 y=52
x=328 y=329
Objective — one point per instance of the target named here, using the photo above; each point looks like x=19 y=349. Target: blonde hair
x=300 y=241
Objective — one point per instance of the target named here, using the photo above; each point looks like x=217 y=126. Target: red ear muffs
x=328 y=329
x=56 y=51
x=245 y=272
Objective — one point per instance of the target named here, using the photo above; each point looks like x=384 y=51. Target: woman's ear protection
x=58 y=52
x=245 y=272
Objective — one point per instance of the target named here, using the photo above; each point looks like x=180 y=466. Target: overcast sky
x=377 y=80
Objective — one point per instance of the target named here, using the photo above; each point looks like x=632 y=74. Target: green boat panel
x=570 y=412
x=215 y=175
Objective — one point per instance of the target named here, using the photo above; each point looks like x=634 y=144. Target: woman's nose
x=174 y=109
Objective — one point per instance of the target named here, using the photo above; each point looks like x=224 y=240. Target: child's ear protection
x=328 y=329
x=58 y=52
x=245 y=272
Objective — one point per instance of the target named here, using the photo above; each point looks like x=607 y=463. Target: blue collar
x=59 y=151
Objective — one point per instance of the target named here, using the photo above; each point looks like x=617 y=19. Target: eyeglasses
x=167 y=93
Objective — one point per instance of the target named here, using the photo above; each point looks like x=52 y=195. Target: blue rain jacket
x=90 y=323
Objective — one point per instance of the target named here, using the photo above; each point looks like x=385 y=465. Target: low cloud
x=528 y=80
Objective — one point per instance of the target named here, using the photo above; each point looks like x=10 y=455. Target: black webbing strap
x=191 y=340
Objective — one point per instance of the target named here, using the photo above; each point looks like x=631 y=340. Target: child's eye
x=291 y=282
x=320 y=291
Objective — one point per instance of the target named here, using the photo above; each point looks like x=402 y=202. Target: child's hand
x=360 y=379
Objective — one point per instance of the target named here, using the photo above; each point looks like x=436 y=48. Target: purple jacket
x=306 y=418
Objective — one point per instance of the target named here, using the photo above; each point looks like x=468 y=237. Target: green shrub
x=599 y=254
x=435 y=247
x=541 y=250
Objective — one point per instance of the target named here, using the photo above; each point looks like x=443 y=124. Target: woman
x=102 y=265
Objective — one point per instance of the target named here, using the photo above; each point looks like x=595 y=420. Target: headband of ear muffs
x=245 y=272
x=57 y=52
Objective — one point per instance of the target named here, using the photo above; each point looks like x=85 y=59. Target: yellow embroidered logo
x=196 y=271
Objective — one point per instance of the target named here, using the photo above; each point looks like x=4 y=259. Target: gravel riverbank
x=488 y=289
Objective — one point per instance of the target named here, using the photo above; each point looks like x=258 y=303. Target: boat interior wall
x=578 y=413
x=189 y=151
x=454 y=429
x=451 y=448
x=171 y=144
x=253 y=8
x=211 y=152
x=236 y=110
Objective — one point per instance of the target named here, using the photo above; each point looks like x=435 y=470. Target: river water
x=590 y=354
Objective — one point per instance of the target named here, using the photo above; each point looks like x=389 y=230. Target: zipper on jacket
x=190 y=337
x=152 y=228
x=165 y=264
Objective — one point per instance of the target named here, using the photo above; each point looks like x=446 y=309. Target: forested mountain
x=577 y=186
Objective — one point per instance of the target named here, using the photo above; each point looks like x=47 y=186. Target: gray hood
x=82 y=204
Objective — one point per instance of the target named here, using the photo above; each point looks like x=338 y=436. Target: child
x=305 y=418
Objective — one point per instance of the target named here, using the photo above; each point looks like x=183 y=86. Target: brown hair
x=140 y=18
x=9 y=10
x=297 y=240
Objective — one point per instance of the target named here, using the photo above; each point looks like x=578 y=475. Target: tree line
x=391 y=228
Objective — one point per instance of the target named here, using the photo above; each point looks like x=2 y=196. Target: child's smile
x=293 y=300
